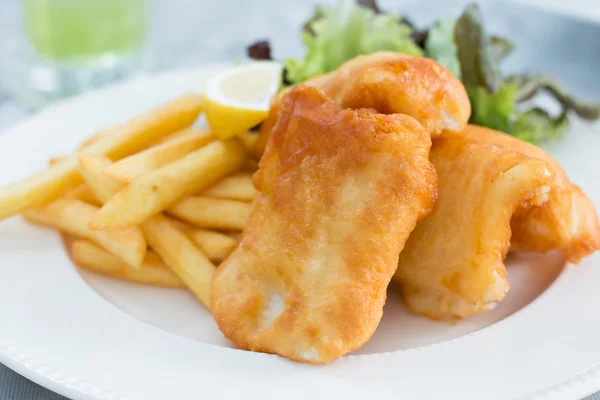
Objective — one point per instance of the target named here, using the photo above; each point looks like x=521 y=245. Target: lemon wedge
x=238 y=98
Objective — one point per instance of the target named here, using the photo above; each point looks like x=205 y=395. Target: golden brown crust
x=339 y=193
x=267 y=126
x=453 y=263
x=566 y=222
x=395 y=83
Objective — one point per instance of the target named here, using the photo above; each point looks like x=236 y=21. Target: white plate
x=89 y=337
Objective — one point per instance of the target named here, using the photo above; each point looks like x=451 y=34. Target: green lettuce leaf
x=499 y=111
x=440 y=46
x=501 y=48
x=477 y=60
x=537 y=126
x=494 y=110
x=531 y=85
x=343 y=32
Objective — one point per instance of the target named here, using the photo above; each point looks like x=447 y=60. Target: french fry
x=179 y=252
x=92 y=169
x=147 y=128
x=132 y=167
x=83 y=193
x=249 y=139
x=153 y=270
x=179 y=134
x=89 y=141
x=39 y=188
x=55 y=160
x=234 y=187
x=207 y=212
x=97 y=136
x=72 y=217
x=216 y=245
x=68 y=241
x=237 y=236
x=128 y=138
x=92 y=139
x=153 y=193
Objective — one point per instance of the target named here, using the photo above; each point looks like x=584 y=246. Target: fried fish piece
x=394 y=83
x=339 y=191
x=453 y=263
x=567 y=222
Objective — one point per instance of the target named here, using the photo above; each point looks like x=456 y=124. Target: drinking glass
x=70 y=46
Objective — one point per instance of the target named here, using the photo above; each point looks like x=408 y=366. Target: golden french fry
x=132 y=167
x=237 y=236
x=87 y=142
x=39 y=188
x=55 y=160
x=182 y=133
x=72 y=216
x=153 y=193
x=179 y=252
x=234 y=187
x=68 y=240
x=216 y=245
x=208 y=212
x=249 y=139
x=92 y=139
x=107 y=130
x=126 y=139
x=147 y=128
x=83 y=193
x=92 y=169
x=185 y=259
x=153 y=270
x=179 y=224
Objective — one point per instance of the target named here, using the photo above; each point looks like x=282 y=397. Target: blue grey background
x=189 y=32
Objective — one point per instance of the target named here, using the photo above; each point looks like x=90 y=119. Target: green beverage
x=84 y=30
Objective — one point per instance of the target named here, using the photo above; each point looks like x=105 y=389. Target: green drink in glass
x=71 y=46
x=85 y=30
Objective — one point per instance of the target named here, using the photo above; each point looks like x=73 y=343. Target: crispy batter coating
x=453 y=263
x=394 y=83
x=339 y=191
x=566 y=222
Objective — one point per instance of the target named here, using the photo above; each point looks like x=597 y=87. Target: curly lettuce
x=499 y=111
x=498 y=102
x=338 y=33
x=344 y=31
x=440 y=45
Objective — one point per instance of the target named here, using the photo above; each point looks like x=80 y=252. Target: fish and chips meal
x=361 y=176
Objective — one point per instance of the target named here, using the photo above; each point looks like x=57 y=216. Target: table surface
x=187 y=46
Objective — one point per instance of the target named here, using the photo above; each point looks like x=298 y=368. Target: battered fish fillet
x=339 y=191
x=566 y=222
x=394 y=83
x=453 y=263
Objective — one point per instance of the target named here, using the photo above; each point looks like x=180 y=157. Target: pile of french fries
x=154 y=200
